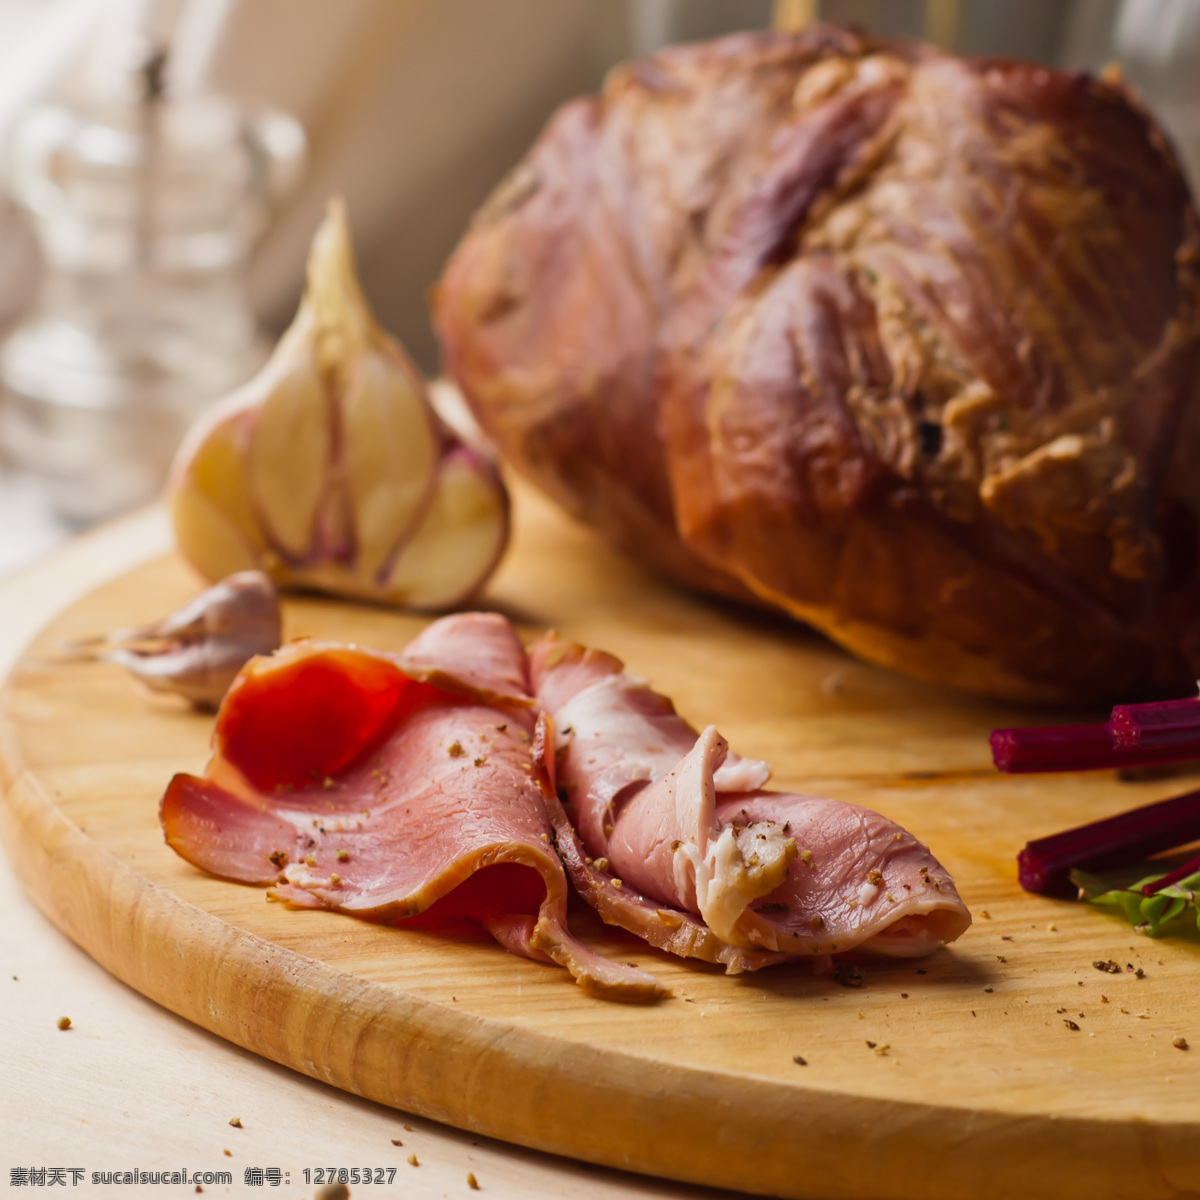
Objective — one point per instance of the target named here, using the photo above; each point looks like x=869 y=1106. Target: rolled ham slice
x=702 y=861
x=398 y=789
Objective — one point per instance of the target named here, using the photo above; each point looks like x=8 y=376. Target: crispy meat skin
x=904 y=344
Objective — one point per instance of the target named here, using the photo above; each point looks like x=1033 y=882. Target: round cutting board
x=959 y=1076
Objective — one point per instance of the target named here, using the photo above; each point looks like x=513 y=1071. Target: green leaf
x=1148 y=914
x=1091 y=886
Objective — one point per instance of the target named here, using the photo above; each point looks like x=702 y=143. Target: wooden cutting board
x=977 y=1085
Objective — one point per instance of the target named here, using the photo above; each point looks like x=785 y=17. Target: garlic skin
x=197 y=651
x=330 y=470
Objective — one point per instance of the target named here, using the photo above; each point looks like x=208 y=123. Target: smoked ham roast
x=901 y=343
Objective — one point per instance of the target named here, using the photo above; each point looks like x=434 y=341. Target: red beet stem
x=1044 y=864
x=1189 y=868
x=1168 y=723
x=1077 y=748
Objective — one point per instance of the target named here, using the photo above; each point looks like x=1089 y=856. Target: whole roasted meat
x=902 y=343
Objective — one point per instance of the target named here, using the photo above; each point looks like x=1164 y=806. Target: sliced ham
x=424 y=788
x=701 y=860
x=667 y=928
x=395 y=789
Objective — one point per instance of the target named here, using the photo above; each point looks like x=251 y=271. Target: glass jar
x=146 y=210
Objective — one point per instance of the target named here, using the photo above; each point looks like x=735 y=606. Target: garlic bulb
x=330 y=469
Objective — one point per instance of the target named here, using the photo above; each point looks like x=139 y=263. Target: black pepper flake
x=1113 y=968
x=929 y=434
x=800 y=1060
x=848 y=975
x=1070 y=1024
x=870 y=1045
x=989 y=989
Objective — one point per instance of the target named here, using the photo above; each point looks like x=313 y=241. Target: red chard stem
x=1189 y=868
x=1168 y=723
x=1128 y=837
x=1078 y=748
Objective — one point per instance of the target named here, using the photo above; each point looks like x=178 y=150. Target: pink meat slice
x=685 y=826
x=477 y=654
x=394 y=789
x=859 y=882
x=678 y=932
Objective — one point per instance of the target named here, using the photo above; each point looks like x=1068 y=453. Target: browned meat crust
x=905 y=344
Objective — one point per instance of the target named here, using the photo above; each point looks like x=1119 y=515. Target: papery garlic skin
x=330 y=469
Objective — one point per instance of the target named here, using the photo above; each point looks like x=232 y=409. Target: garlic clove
x=461 y=537
x=213 y=512
x=198 y=650
x=392 y=451
x=289 y=449
x=331 y=470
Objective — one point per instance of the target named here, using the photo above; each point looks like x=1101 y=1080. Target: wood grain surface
x=984 y=1089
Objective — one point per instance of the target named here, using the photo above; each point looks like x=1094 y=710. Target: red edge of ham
x=424 y=789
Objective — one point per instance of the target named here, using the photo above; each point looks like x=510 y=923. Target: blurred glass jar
x=1157 y=42
x=146 y=210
